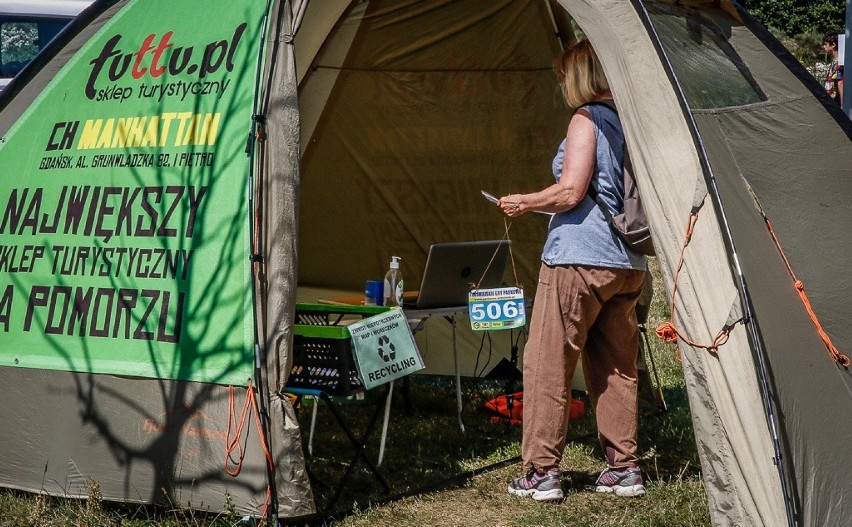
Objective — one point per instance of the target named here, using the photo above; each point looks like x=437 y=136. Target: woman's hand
x=512 y=205
x=577 y=167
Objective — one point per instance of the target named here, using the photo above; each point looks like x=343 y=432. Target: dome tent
x=384 y=119
x=718 y=117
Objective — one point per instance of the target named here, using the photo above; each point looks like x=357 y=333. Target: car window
x=21 y=38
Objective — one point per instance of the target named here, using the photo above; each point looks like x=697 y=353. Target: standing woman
x=834 y=77
x=588 y=286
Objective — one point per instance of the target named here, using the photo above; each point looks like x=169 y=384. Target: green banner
x=124 y=233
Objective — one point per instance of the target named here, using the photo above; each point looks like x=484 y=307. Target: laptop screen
x=452 y=267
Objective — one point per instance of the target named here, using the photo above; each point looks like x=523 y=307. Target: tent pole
x=559 y=36
x=257 y=262
x=779 y=459
x=750 y=322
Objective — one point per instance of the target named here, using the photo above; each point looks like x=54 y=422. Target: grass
x=676 y=495
x=20 y=509
x=440 y=476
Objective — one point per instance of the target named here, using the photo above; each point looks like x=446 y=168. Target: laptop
x=452 y=267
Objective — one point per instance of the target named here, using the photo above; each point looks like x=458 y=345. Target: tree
x=799 y=17
x=18 y=42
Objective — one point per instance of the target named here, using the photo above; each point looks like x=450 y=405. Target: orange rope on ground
x=667 y=330
x=838 y=357
x=234 y=444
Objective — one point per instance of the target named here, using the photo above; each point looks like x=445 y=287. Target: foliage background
x=799 y=17
x=18 y=42
x=801 y=26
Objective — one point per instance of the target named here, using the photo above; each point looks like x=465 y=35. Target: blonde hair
x=580 y=75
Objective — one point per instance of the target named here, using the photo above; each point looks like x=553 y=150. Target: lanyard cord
x=506 y=224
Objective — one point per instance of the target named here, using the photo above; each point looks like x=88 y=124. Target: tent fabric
x=275 y=283
x=140 y=440
x=358 y=140
x=409 y=78
x=742 y=488
x=789 y=152
x=384 y=119
x=164 y=441
x=362 y=131
x=801 y=194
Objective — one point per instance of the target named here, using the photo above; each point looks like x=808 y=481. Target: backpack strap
x=599 y=103
x=627 y=168
x=631 y=225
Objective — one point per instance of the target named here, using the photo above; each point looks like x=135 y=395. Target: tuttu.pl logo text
x=154 y=58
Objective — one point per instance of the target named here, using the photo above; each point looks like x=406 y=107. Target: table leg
x=458 y=373
x=385 y=425
x=360 y=452
x=313 y=425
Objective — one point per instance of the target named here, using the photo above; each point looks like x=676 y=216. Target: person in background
x=585 y=305
x=834 y=77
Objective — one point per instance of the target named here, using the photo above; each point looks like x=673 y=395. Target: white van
x=26 y=26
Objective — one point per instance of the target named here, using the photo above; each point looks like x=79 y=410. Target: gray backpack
x=632 y=224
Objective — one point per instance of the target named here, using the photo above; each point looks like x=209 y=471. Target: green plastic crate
x=322 y=348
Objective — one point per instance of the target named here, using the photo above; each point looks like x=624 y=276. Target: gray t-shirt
x=582 y=236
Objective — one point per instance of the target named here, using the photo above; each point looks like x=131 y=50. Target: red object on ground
x=509 y=408
x=578 y=408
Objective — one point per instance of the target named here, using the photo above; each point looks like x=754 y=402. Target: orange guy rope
x=838 y=357
x=234 y=444
x=669 y=333
x=667 y=330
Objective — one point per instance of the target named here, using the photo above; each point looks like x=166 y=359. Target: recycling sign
x=384 y=348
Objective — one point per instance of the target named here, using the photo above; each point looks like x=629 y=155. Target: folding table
x=359 y=444
x=323 y=367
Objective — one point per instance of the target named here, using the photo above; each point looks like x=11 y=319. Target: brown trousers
x=588 y=311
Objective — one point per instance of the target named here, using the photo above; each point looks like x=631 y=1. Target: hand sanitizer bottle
x=394 y=285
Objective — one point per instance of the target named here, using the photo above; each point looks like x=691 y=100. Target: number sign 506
x=508 y=309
